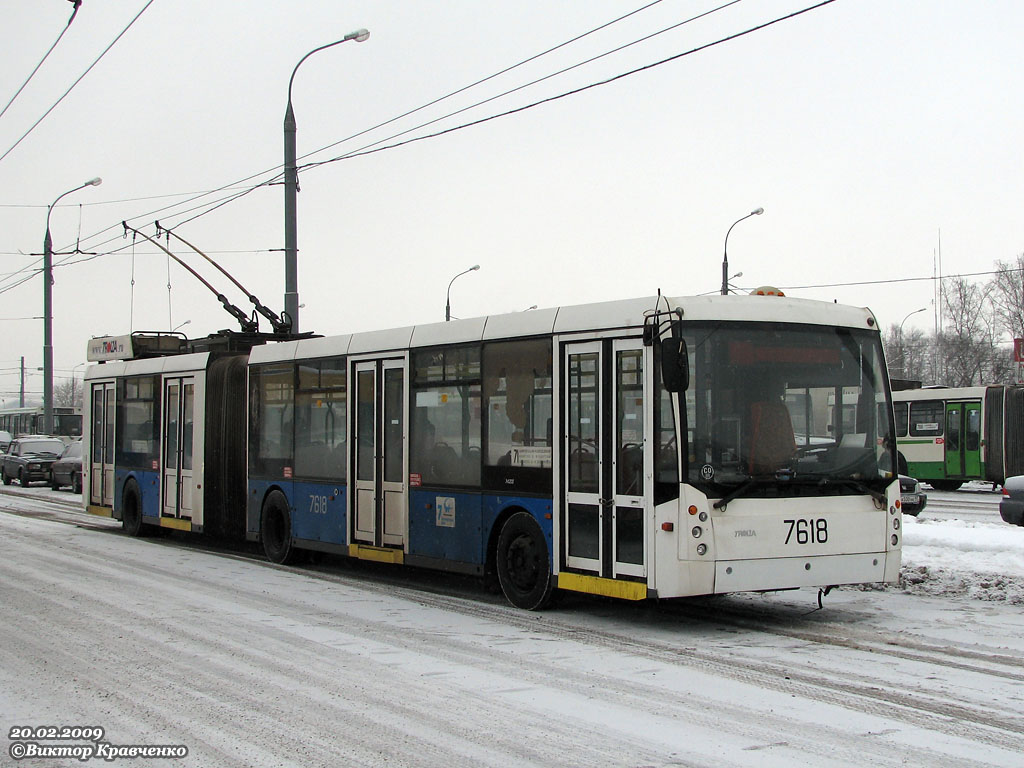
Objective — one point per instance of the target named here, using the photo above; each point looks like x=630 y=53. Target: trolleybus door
x=379 y=445
x=178 y=435
x=101 y=449
x=606 y=456
x=963 y=439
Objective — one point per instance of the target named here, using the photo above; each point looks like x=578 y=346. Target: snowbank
x=984 y=561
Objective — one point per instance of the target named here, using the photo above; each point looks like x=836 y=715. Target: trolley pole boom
x=247 y=324
x=280 y=326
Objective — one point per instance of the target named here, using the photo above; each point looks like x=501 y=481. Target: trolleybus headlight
x=696 y=531
x=702 y=549
x=895 y=523
x=895 y=539
x=703 y=516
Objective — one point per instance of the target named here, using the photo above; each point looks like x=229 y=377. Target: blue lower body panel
x=149 y=486
x=317 y=509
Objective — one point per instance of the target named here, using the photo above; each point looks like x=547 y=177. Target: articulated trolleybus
x=952 y=435
x=641 y=448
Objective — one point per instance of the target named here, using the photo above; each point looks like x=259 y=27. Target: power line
x=277 y=168
x=116 y=202
x=511 y=90
x=74 y=13
x=80 y=78
x=573 y=92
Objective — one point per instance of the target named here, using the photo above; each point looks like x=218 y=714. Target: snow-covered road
x=249 y=664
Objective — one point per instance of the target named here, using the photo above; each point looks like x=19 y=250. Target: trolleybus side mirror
x=675 y=364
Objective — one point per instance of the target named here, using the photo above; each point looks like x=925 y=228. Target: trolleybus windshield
x=780 y=410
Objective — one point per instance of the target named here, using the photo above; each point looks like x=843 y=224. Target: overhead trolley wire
x=511 y=90
x=371 y=149
x=74 y=13
x=80 y=78
x=278 y=168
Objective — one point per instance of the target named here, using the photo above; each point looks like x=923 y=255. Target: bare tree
x=908 y=354
x=1006 y=290
x=68 y=392
x=967 y=348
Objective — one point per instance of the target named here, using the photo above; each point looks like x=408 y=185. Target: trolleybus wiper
x=281 y=326
x=736 y=492
x=248 y=324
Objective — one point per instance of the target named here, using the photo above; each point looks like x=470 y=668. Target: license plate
x=910 y=498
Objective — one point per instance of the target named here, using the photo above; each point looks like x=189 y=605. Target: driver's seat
x=772 y=443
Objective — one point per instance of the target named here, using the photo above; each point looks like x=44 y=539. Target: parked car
x=1011 y=506
x=29 y=459
x=5 y=440
x=67 y=470
x=912 y=498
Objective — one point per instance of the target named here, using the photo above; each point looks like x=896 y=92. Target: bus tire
x=276 y=529
x=131 y=509
x=944 y=485
x=523 y=563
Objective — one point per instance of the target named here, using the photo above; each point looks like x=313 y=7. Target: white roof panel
x=455 y=332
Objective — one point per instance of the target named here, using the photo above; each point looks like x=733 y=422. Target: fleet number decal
x=813 y=531
x=318 y=505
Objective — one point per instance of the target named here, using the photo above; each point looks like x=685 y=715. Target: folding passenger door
x=177 y=454
x=101 y=448
x=379 y=461
x=607 y=459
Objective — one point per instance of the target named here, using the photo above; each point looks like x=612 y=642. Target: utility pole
x=21 y=397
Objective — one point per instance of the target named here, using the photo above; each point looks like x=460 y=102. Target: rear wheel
x=131 y=509
x=54 y=483
x=276 y=529
x=524 y=565
x=944 y=485
x=76 y=484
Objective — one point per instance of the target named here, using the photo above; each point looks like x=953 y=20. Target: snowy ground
x=974 y=553
x=248 y=664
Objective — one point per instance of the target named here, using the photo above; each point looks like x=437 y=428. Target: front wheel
x=276 y=529
x=7 y=480
x=76 y=484
x=524 y=565
x=21 y=479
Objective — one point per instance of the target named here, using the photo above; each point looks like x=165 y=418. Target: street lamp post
x=903 y=350
x=291 y=188
x=48 y=310
x=725 y=252
x=448 y=297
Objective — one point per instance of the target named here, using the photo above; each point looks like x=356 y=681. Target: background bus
x=67 y=421
x=951 y=435
x=633 y=449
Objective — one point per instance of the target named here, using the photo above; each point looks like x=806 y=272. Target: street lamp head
x=360 y=35
x=474 y=268
x=94 y=182
x=757 y=212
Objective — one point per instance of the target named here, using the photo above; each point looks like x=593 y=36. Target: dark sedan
x=29 y=458
x=1011 y=507
x=67 y=470
x=912 y=498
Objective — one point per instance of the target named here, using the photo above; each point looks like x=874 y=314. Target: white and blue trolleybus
x=644 y=448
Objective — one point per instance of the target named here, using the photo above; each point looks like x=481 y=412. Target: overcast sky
x=864 y=128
